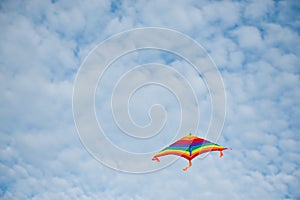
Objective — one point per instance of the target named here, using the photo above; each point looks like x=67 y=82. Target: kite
x=189 y=147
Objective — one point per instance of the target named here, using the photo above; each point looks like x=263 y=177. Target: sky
x=255 y=46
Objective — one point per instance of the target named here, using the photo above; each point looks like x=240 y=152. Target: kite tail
x=190 y=164
x=221 y=152
x=155 y=158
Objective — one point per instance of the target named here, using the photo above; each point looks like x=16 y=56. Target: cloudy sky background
x=256 y=46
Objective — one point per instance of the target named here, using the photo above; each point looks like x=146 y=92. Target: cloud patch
x=254 y=44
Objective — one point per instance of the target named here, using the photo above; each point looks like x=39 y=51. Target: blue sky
x=255 y=45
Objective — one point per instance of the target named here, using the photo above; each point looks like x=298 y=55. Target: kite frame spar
x=189 y=147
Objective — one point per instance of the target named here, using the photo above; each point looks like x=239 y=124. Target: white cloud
x=277 y=35
x=224 y=14
x=248 y=37
x=258 y=9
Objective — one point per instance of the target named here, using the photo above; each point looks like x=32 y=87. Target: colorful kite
x=189 y=147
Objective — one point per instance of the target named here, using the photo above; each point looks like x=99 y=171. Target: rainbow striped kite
x=189 y=147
